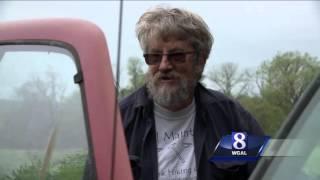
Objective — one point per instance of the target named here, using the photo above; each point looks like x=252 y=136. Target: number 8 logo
x=239 y=142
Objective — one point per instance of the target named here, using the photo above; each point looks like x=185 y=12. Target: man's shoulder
x=138 y=97
x=215 y=100
x=210 y=96
x=133 y=104
x=233 y=113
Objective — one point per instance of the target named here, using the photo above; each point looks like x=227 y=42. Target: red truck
x=59 y=113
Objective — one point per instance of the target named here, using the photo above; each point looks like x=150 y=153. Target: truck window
x=42 y=124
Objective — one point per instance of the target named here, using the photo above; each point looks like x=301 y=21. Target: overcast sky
x=246 y=32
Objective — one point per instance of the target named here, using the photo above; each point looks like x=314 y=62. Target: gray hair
x=164 y=23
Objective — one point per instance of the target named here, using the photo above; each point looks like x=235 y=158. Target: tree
x=36 y=109
x=269 y=116
x=280 y=83
x=135 y=72
x=136 y=75
x=230 y=81
x=282 y=80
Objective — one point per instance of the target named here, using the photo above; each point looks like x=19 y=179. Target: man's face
x=171 y=81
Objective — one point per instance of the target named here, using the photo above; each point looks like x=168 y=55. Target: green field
x=26 y=165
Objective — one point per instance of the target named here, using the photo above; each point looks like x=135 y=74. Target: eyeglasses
x=174 y=58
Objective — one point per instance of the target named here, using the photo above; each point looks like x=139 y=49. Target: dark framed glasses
x=174 y=58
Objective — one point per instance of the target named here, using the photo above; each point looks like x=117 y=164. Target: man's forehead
x=169 y=44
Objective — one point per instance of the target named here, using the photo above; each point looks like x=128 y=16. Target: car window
x=42 y=126
x=306 y=164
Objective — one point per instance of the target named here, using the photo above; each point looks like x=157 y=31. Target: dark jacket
x=216 y=116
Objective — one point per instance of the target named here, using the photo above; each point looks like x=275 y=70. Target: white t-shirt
x=176 y=159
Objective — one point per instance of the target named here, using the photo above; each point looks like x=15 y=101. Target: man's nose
x=165 y=64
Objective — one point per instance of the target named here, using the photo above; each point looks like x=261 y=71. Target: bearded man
x=173 y=123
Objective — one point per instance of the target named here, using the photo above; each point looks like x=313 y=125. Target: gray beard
x=165 y=95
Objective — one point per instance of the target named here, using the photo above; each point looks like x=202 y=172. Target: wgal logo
x=239 y=143
x=239 y=146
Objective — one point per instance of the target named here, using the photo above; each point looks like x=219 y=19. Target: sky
x=245 y=32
